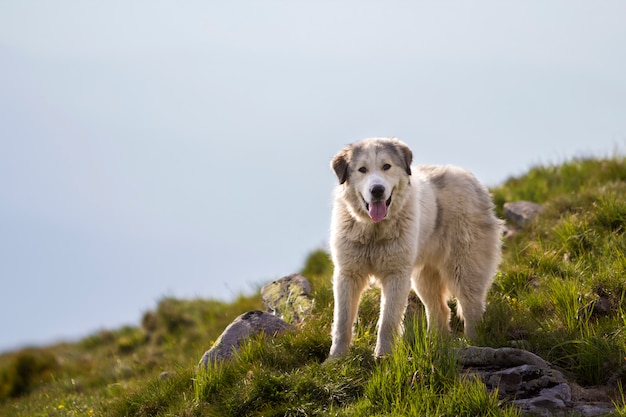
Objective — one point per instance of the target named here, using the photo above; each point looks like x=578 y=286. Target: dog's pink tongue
x=378 y=210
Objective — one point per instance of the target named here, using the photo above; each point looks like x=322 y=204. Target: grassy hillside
x=560 y=293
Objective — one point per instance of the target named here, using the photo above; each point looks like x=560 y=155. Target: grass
x=428 y=383
x=555 y=272
x=555 y=276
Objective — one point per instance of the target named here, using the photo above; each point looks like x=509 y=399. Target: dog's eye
x=386 y=167
x=363 y=170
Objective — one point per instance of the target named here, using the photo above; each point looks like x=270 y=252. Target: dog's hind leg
x=394 y=298
x=347 y=291
x=431 y=289
x=471 y=302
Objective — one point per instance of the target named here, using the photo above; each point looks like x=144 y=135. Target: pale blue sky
x=164 y=148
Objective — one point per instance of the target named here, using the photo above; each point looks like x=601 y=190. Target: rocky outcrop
x=288 y=301
x=289 y=298
x=521 y=378
x=525 y=380
x=241 y=329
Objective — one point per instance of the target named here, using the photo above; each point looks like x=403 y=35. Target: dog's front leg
x=347 y=291
x=394 y=297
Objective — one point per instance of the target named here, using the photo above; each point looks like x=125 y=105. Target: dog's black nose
x=378 y=191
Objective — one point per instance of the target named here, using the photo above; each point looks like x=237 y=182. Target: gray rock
x=525 y=380
x=166 y=374
x=241 y=329
x=289 y=298
x=473 y=356
x=593 y=409
x=528 y=381
x=521 y=212
x=602 y=307
x=591 y=401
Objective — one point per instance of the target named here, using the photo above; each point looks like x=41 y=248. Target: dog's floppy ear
x=340 y=164
x=408 y=156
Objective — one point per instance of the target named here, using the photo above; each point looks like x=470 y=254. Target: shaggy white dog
x=429 y=227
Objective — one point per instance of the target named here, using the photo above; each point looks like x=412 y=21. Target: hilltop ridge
x=560 y=293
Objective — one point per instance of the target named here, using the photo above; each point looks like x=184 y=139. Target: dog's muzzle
x=377 y=209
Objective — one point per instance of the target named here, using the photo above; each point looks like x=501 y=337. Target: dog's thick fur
x=432 y=228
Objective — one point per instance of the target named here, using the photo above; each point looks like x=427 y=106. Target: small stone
x=602 y=307
x=593 y=409
x=503 y=357
x=288 y=298
x=561 y=392
x=521 y=212
x=241 y=329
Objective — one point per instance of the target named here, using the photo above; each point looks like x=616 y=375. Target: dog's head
x=373 y=169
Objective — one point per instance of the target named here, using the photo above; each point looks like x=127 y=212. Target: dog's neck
x=361 y=228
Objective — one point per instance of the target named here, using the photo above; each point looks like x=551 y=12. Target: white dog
x=429 y=227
